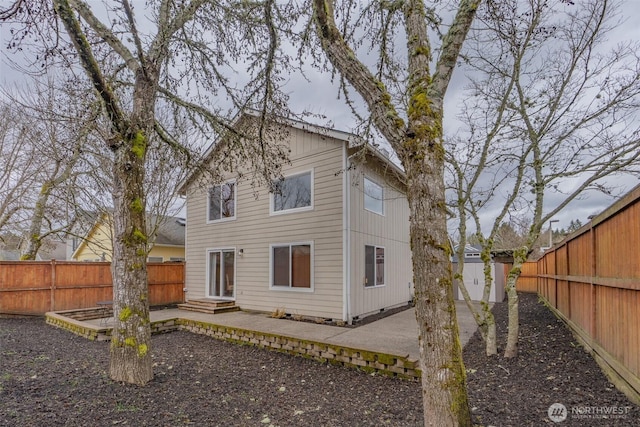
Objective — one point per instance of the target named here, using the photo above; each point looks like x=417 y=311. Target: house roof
x=351 y=139
x=170 y=231
x=9 y=255
x=85 y=220
x=10 y=248
x=468 y=250
x=497 y=255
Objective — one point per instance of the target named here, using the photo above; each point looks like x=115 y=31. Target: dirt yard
x=49 y=377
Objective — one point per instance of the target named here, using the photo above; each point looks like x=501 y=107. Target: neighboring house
x=473 y=276
x=96 y=245
x=80 y=229
x=53 y=247
x=332 y=242
x=10 y=248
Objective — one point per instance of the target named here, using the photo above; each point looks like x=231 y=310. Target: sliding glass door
x=221 y=280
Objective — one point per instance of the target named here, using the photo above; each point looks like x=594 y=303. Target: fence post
x=539 y=266
x=555 y=277
x=568 y=273
x=592 y=235
x=53 y=286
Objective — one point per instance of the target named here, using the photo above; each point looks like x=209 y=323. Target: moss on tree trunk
x=131 y=339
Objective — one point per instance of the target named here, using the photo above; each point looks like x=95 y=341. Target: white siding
x=391 y=231
x=254 y=229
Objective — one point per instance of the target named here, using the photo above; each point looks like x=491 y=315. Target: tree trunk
x=419 y=146
x=491 y=343
x=511 y=350
x=34 y=239
x=484 y=318
x=491 y=346
x=131 y=340
x=443 y=375
x=131 y=337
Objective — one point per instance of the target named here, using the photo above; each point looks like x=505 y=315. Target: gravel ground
x=49 y=377
x=551 y=367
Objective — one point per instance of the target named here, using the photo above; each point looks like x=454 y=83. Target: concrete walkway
x=395 y=334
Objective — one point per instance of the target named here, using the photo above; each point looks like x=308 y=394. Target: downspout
x=185 y=289
x=346 y=230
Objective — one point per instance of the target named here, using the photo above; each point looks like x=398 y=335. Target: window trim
x=235 y=202
x=290 y=288
x=273 y=212
x=375 y=248
x=364 y=194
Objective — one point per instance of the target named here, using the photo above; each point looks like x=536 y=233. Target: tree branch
x=371 y=89
x=451 y=46
x=90 y=64
x=161 y=41
x=107 y=35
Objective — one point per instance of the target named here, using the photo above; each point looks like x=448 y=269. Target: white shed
x=473 y=276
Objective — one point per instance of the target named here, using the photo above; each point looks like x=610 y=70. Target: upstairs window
x=222 y=202
x=373 y=196
x=293 y=193
x=373 y=266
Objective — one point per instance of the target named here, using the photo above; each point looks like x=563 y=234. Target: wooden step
x=211 y=302
x=209 y=306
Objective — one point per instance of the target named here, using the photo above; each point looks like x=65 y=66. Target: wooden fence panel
x=35 y=287
x=550 y=265
x=542 y=281
x=25 y=290
x=616 y=310
x=579 y=256
x=562 y=296
x=166 y=283
x=81 y=284
x=580 y=304
x=593 y=280
x=70 y=274
x=618 y=241
x=528 y=280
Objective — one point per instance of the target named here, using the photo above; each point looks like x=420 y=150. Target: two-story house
x=332 y=240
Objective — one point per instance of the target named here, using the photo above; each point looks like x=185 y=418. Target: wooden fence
x=35 y=287
x=528 y=280
x=592 y=279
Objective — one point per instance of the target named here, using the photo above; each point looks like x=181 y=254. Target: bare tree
x=57 y=125
x=551 y=112
x=17 y=169
x=405 y=101
x=180 y=54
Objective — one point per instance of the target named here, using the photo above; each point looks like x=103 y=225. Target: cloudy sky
x=319 y=95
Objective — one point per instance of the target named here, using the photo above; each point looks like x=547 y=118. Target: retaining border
x=392 y=365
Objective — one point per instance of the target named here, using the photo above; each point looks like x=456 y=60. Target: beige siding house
x=332 y=241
